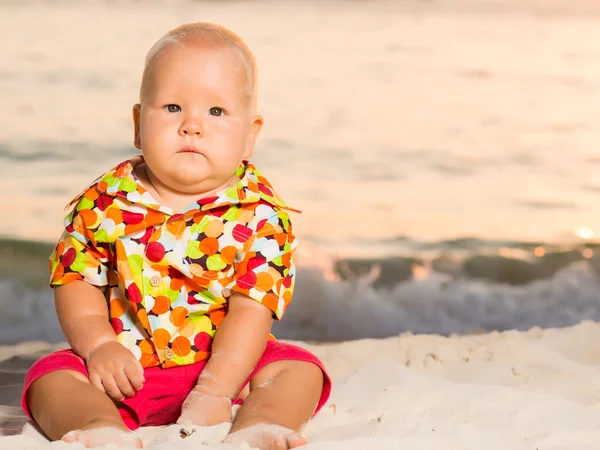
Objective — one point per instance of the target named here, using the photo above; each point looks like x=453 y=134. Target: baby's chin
x=195 y=183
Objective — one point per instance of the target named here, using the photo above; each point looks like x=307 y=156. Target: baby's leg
x=283 y=396
x=65 y=405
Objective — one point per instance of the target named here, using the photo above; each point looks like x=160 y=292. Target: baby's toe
x=294 y=440
x=100 y=437
x=267 y=437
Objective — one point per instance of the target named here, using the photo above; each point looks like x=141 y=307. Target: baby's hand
x=114 y=369
x=205 y=409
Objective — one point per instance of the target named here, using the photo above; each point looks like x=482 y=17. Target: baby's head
x=196 y=118
x=207 y=35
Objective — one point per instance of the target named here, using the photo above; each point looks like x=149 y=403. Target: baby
x=172 y=267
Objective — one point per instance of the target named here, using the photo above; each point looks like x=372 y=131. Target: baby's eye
x=173 y=108
x=216 y=112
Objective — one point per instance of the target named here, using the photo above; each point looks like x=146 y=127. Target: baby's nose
x=191 y=127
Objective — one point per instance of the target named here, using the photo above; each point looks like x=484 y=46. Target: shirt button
x=168 y=353
x=155 y=281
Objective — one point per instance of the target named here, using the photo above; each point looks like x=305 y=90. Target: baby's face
x=195 y=123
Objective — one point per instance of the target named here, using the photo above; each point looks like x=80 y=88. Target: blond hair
x=207 y=34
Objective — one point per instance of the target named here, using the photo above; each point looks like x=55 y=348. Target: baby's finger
x=96 y=381
x=136 y=378
x=111 y=387
x=123 y=384
x=140 y=369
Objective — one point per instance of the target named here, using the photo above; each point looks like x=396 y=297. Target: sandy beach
x=531 y=390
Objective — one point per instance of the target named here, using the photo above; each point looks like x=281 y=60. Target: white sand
x=515 y=390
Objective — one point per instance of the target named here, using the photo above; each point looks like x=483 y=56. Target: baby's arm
x=82 y=312
x=239 y=343
x=241 y=338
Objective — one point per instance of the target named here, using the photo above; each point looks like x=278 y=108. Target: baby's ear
x=256 y=123
x=136 y=126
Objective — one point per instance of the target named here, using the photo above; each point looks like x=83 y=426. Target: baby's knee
x=312 y=373
x=52 y=382
x=58 y=378
x=302 y=371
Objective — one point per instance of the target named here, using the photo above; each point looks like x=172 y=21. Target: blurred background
x=444 y=152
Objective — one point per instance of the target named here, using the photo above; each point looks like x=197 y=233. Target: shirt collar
x=252 y=187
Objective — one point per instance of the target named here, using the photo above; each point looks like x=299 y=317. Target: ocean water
x=444 y=156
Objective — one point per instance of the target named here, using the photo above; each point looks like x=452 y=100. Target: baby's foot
x=267 y=437
x=205 y=409
x=100 y=434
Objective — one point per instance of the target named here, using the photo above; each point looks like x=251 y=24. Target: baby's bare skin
x=66 y=406
x=265 y=419
x=100 y=434
x=63 y=401
x=267 y=437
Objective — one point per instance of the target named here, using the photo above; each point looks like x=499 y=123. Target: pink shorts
x=159 y=402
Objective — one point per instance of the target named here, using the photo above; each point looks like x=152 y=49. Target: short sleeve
x=77 y=256
x=267 y=273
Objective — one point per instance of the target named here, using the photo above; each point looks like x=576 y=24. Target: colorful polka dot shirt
x=168 y=275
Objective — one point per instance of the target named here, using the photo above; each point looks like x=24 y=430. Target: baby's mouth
x=189 y=149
